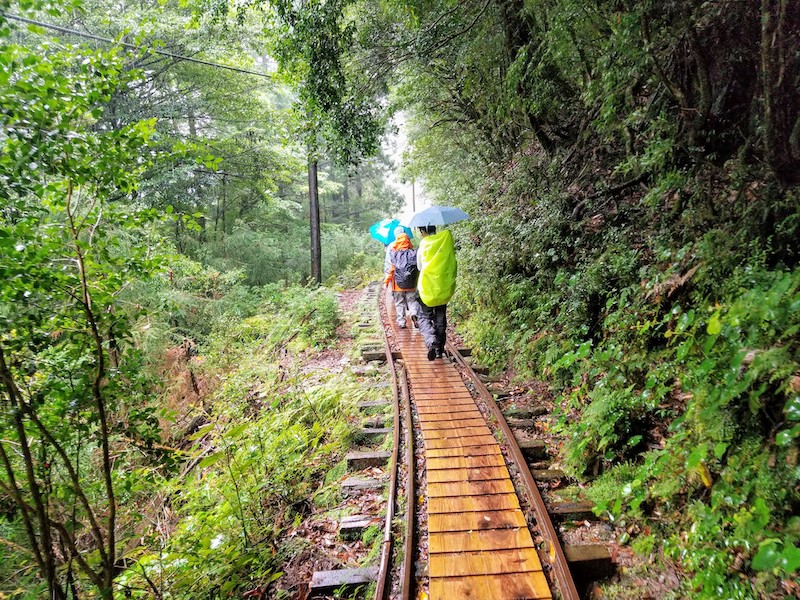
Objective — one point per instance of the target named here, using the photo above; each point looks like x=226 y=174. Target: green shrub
x=263 y=457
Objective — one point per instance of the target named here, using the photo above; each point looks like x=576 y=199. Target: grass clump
x=270 y=447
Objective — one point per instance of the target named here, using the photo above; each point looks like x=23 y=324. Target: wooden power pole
x=313 y=206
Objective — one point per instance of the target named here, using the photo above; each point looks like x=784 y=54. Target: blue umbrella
x=383 y=231
x=437 y=215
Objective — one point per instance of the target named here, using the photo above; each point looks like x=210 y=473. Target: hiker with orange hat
x=402 y=276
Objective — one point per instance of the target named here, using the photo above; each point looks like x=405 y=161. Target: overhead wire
x=98 y=38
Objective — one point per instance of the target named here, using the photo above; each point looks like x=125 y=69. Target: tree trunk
x=107 y=560
x=224 y=202
x=345 y=201
x=780 y=74
x=192 y=124
x=43 y=548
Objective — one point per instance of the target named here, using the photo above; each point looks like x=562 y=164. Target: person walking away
x=402 y=276
x=436 y=260
x=387 y=263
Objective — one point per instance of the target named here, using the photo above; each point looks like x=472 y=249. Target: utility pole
x=313 y=209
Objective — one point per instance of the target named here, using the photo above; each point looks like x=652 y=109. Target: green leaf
x=787 y=436
x=761 y=513
x=719 y=450
x=767 y=557
x=714 y=324
x=695 y=456
x=201 y=432
x=235 y=431
x=274 y=577
x=754 y=399
x=792 y=409
x=705 y=367
x=584 y=350
x=790 y=558
x=211 y=459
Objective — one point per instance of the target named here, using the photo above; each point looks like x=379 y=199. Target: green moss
x=644 y=545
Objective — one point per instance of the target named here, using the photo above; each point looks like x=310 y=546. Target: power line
x=131 y=46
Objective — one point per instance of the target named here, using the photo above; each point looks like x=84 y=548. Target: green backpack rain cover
x=437 y=278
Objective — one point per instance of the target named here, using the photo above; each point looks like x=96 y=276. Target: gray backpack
x=405 y=268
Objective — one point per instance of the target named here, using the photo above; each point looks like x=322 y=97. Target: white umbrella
x=437 y=215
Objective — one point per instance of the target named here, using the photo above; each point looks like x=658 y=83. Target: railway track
x=464 y=533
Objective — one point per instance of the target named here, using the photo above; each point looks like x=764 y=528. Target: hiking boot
x=438 y=352
x=431 y=353
x=414 y=321
x=401 y=325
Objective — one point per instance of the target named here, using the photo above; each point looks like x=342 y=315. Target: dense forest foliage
x=632 y=169
x=632 y=172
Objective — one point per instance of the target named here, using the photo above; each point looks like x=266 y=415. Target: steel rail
x=386 y=549
x=408 y=558
x=555 y=554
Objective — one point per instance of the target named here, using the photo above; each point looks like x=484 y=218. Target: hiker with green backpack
x=436 y=260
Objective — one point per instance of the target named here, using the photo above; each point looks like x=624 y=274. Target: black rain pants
x=433 y=325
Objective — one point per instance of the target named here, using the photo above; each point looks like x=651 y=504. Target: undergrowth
x=674 y=353
x=270 y=449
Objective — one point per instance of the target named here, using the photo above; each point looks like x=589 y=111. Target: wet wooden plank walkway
x=479 y=544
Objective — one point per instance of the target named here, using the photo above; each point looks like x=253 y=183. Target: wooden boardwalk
x=479 y=544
